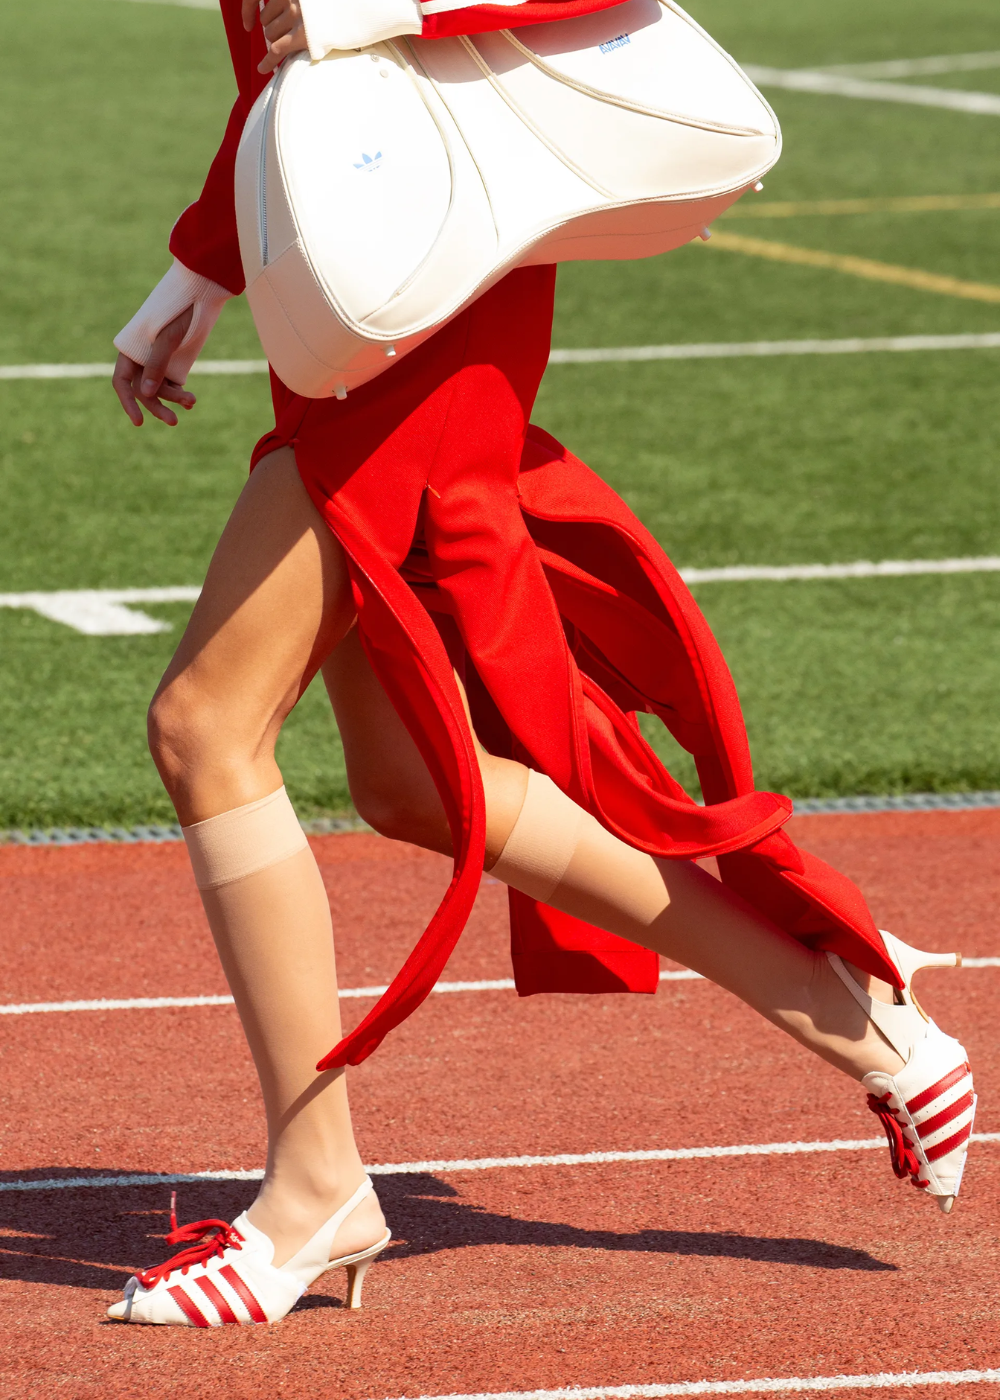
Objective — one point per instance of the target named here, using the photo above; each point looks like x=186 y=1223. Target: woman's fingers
x=284 y=31
x=249 y=13
x=121 y=381
x=146 y=385
x=151 y=402
x=176 y=393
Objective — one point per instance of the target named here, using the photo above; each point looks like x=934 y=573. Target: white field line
x=110 y=612
x=712 y=350
x=497 y=984
x=102 y=612
x=862 y=568
x=770 y=1385
x=749 y=349
x=485 y=1164
x=105 y=371
x=187 y=4
x=840 y=85
x=917 y=67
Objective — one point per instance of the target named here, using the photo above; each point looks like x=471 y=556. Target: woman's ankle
x=290 y=1212
x=835 y=1026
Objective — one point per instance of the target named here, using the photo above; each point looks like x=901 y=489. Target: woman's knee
x=402 y=812
x=190 y=733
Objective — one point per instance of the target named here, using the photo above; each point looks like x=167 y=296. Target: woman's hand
x=283 y=29
x=137 y=384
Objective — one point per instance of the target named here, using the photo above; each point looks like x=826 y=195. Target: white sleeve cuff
x=354 y=24
x=174 y=293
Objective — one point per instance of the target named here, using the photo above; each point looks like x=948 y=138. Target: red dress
x=475 y=541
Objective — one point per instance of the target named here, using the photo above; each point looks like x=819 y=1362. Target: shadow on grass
x=94 y=1238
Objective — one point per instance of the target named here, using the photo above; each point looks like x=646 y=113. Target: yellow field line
x=904 y=204
x=858 y=267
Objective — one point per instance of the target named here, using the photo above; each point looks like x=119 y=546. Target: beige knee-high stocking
x=557 y=853
x=270 y=918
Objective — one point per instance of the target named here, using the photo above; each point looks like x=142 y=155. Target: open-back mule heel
x=928 y=1107
x=226 y=1277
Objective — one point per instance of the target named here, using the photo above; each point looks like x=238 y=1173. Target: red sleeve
x=204 y=238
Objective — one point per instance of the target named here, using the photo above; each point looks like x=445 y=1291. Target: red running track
x=507 y=1279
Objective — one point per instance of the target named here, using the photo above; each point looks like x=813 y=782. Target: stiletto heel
x=356 y=1275
x=927 y=1108
x=226 y=1276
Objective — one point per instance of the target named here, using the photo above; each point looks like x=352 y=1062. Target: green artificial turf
x=860 y=686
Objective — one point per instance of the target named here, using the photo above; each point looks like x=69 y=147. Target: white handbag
x=379 y=191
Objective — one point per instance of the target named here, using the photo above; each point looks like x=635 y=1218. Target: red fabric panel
x=482 y=19
x=553 y=952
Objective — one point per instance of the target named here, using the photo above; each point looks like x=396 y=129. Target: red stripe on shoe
x=243 y=1293
x=949 y=1081
x=947 y=1115
x=218 y=1301
x=188 y=1307
x=949 y=1144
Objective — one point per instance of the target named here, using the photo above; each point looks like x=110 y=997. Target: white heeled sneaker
x=928 y=1107
x=226 y=1277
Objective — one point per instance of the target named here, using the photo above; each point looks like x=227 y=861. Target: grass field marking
x=487 y=1164
x=105 y=371
x=917 y=67
x=185 y=4
x=886 y=568
x=711 y=350
x=827 y=84
x=749 y=349
x=858 y=267
x=102 y=612
x=896 y=204
x=495 y=984
x=108 y=612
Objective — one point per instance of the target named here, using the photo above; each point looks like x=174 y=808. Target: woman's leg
x=276 y=600
x=673 y=907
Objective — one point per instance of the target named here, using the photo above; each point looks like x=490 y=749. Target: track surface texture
x=513 y=1278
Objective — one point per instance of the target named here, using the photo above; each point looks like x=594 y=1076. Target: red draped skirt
x=477 y=543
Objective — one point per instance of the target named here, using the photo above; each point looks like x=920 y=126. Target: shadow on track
x=79 y=1238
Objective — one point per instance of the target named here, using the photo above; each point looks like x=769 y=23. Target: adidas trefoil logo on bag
x=368 y=162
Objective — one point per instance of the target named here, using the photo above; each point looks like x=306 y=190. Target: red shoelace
x=905 y=1162
x=207 y=1238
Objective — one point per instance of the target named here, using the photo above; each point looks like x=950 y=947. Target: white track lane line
x=771 y=1385
x=485 y=1164
x=497 y=984
x=712 y=350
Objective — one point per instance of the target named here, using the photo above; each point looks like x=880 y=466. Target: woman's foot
x=228 y=1276
x=926 y=1103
